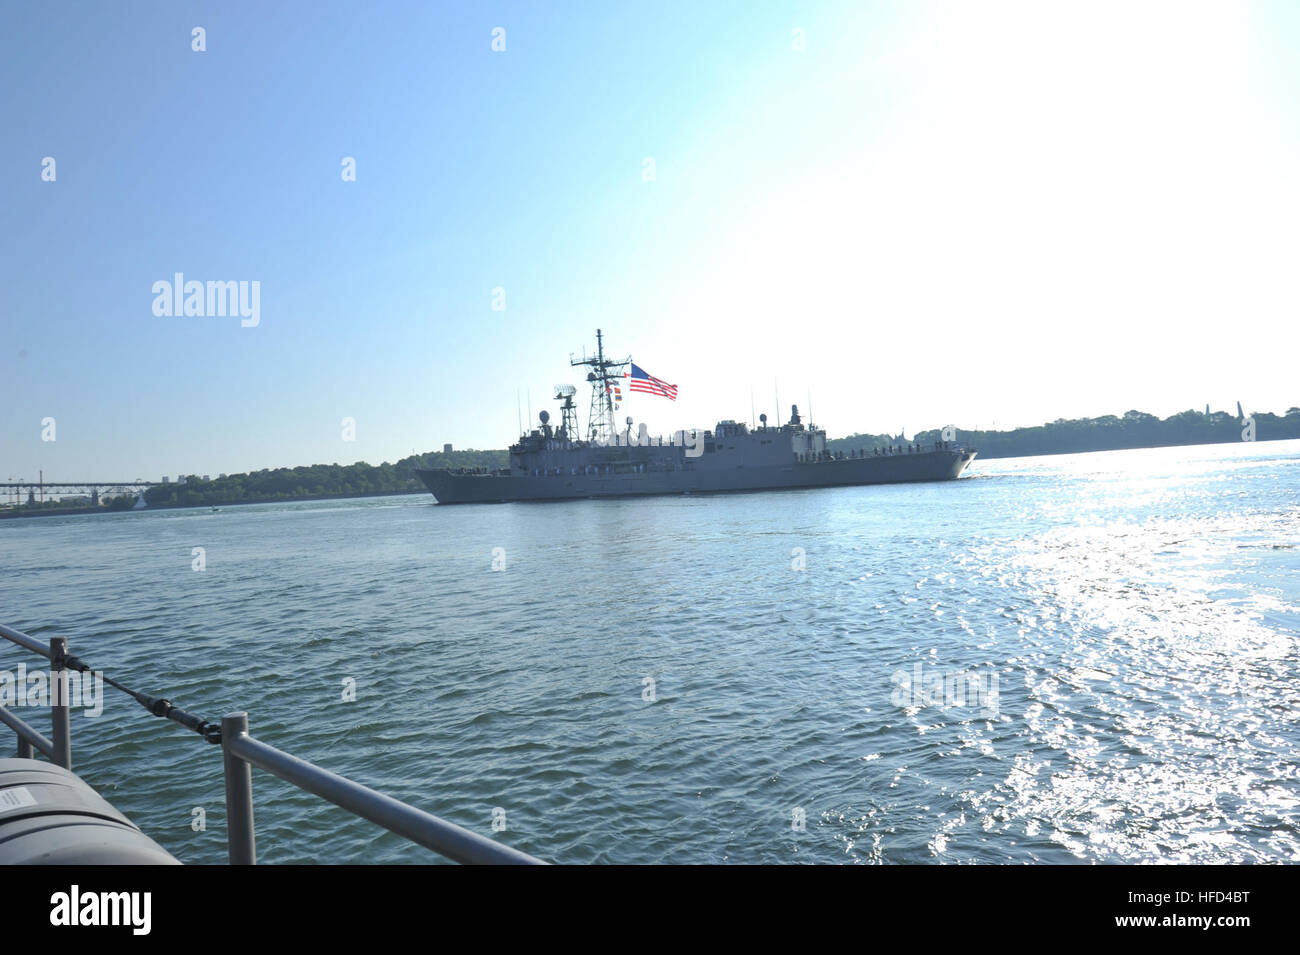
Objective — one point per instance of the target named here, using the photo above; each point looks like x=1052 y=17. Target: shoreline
x=996 y=456
x=89 y=511
x=95 y=511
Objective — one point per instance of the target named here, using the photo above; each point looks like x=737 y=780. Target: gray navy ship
x=554 y=463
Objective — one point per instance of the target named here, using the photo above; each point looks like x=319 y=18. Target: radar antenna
x=568 y=411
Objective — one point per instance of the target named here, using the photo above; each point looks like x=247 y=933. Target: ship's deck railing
x=241 y=752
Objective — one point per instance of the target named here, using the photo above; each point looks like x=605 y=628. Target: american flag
x=650 y=384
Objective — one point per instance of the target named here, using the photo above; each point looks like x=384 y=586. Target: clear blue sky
x=934 y=213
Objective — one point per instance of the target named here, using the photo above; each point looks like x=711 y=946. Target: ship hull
x=450 y=487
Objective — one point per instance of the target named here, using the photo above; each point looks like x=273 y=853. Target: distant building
x=206 y=478
x=446 y=449
x=166 y=479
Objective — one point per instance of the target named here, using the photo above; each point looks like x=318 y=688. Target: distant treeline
x=1135 y=429
x=56 y=506
x=318 y=480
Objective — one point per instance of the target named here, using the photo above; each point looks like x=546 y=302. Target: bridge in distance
x=11 y=492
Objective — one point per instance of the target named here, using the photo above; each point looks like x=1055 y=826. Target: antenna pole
x=608 y=399
x=600 y=420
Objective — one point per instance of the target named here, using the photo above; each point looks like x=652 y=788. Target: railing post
x=239 y=794
x=59 y=712
x=24 y=748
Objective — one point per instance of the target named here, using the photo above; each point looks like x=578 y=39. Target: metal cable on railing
x=158 y=706
x=240 y=753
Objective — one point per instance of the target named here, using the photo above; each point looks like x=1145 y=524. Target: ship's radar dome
x=544 y=416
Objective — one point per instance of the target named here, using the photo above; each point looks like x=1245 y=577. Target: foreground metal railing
x=59 y=751
x=241 y=752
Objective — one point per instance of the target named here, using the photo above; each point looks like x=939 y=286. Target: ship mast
x=600 y=419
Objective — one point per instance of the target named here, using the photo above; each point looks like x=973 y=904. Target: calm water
x=1138 y=610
